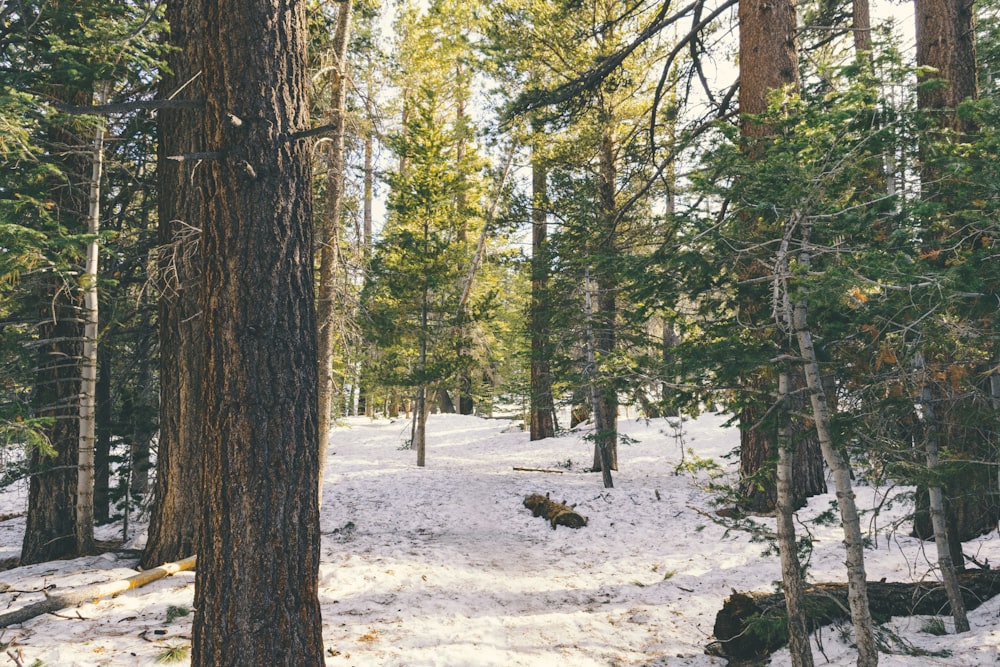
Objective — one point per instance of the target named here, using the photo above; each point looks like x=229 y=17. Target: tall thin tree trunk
x=369 y=196
x=602 y=457
x=88 y=365
x=542 y=410
x=605 y=316
x=365 y=405
x=791 y=569
x=861 y=618
x=420 y=407
x=936 y=500
x=329 y=265
x=175 y=517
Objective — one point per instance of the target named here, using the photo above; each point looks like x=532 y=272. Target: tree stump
x=558 y=514
x=750 y=626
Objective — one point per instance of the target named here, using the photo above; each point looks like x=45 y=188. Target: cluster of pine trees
x=585 y=207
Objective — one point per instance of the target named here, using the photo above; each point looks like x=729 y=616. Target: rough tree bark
x=862 y=27
x=258 y=560
x=768 y=59
x=50 y=532
x=945 y=37
x=175 y=517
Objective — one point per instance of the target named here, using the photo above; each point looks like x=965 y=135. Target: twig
x=519 y=469
x=18 y=657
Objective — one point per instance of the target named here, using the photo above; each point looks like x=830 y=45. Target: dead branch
x=93 y=592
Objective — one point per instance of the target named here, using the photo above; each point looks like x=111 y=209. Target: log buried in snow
x=752 y=625
x=76 y=596
x=558 y=514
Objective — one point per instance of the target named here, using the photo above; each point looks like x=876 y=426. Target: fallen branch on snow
x=75 y=596
x=751 y=626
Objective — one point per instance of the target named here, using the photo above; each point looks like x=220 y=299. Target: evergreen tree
x=54 y=55
x=258 y=559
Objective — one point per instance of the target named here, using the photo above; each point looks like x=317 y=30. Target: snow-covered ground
x=443 y=565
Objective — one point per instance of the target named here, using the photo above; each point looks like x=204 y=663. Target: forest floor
x=443 y=566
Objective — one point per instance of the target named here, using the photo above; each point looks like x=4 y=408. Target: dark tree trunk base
x=751 y=626
x=558 y=514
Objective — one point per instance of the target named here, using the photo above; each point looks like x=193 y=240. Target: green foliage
x=54 y=54
x=174 y=612
x=934 y=626
x=176 y=653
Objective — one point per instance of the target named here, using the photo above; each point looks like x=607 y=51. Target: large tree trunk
x=946 y=41
x=258 y=559
x=175 y=517
x=50 y=532
x=328 y=302
x=542 y=410
x=862 y=28
x=945 y=35
x=769 y=57
x=768 y=61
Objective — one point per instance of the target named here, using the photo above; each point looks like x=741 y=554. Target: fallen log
x=520 y=469
x=93 y=592
x=558 y=514
x=751 y=626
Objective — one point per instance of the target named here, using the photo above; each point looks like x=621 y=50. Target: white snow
x=443 y=566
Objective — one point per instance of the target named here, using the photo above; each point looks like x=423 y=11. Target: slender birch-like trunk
x=88 y=366
x=791 y=568
x=857 y=583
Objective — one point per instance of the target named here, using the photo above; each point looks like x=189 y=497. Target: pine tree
x=259 y=431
